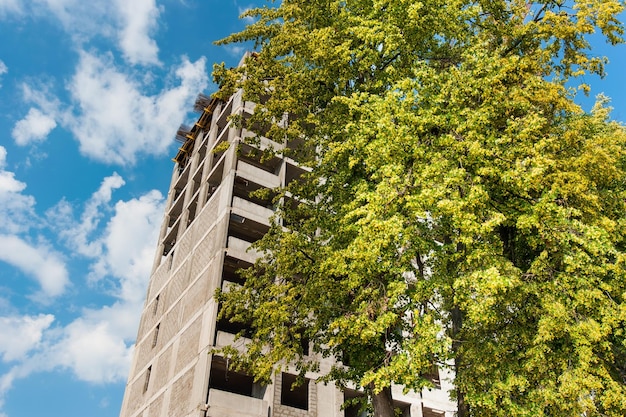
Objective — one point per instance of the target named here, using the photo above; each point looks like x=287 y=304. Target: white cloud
x=97 y=346
x=78 y=235
x=248 y=19
x=9 y=6
x=123 y=249
x=139 y=20
x=35 y=127
x=3 y=68
x=92 y=350
x=112 y=117
x=39 y=262
x=114 y=121
x=130 y=23
x=81 y=20
x=21 y=335
x=235 y=50
x=8 y=183
x=129 y=243
x=16 y=209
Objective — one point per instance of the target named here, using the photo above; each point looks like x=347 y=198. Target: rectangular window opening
x=225 y=379
x=433 y=376
x=147 y=380
x=155 y=306
x=155 y=338
x=292 y=395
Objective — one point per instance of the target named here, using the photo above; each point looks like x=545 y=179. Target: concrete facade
x=210 y=222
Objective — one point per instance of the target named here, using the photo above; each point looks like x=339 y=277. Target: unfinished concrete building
x=210 y=221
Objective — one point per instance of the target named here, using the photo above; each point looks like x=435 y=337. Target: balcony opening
x=224 y=324
x=433 y=376
x=170 y=239
x=231 y=269
x=296 y=396
x=222 y=120
x=225 y=379
x=183 y=174
x=215 y=178
x=263 y=159
x=246 y=229
x=253 y=193
x=293 y=173
x=202 y=149
x=402 y=409
x=178 y=192
x=355 y=404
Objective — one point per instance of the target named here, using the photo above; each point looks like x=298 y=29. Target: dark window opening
x=264 y=160
x=155 y=306
x=233 y=327
x=253 y=192
x=225 y=379
x=147 y=380
x=402 y=409
x=246 y=229
x=232 y=270
x=155 y=338
x=355 y=404
x=292 y=395
x=433 y=376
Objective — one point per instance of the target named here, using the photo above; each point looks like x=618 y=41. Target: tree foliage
x=461 y=208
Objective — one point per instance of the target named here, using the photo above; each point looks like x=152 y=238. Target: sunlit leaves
x=462 y=209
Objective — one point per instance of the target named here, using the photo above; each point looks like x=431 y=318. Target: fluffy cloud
x=111 y=116
x=139 y=20
x=93 y=351
x=3 y=67
x=124 y=248
x=114 y=121
x=96 y=346
x=129 y=23
x=9 y=7
x=18 y=215
x=16 y=209
x=35 y=127
x=20 y=335
x=39 y=262
x=78 y=234
x=129 y=244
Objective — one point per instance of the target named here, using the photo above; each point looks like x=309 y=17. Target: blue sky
x=91 y=95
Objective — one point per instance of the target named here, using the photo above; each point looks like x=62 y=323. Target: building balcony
x=258 y=174
x=251 y=210
x=228 y=404
x=238 y=248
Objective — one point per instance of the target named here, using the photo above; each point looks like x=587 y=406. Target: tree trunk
x=382 y=402
x=457 y=322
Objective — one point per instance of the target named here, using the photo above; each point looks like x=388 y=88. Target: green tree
x=461 y=208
